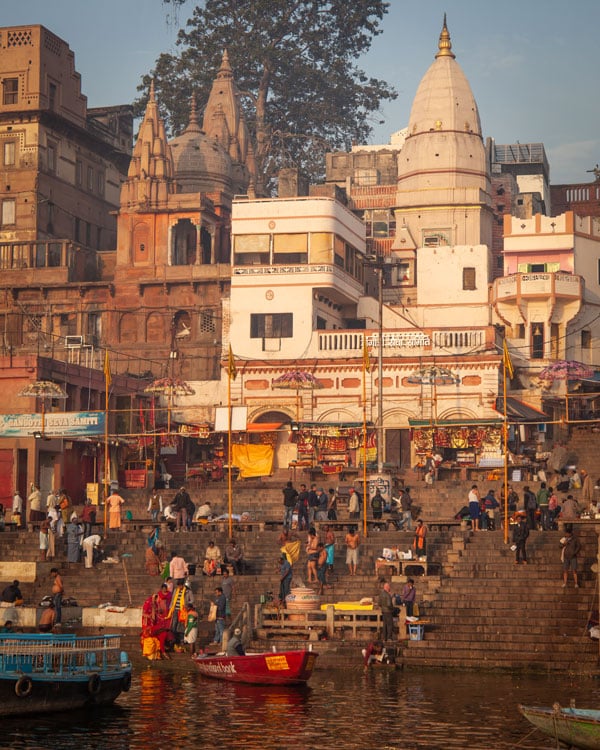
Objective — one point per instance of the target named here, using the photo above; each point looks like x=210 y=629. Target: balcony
x=555 y=297
x=338 y=282
x=407 y=342
x=522 y=285
x=51 y=261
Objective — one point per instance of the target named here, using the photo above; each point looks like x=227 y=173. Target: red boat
x=265 y=668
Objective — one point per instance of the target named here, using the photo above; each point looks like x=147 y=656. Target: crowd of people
x=51 y=616
x=170 y=618
x=310 y=521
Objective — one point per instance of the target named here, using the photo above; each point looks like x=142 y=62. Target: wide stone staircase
x=481 y=609
x=492 y=613
x=584 y=448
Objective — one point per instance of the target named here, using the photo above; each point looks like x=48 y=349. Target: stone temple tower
x=443 y=193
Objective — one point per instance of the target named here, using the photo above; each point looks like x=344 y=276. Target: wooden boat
x=265 y=668
x=575 y=727
x=42 y=672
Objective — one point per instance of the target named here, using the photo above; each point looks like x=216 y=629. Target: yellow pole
x=364 y=399
x=107 y=382
x=229 y=490
x=505 y=440
x=106 y=453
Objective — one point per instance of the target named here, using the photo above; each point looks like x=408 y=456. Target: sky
x=532 y=64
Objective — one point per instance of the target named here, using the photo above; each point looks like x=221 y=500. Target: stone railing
x=349 y=343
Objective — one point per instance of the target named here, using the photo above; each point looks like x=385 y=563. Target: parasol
x=566 y=369
x=297 y=380
x=170 y=387
x=43 y=389
x=434 y=375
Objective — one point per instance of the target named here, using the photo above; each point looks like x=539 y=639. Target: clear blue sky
x=532 y=64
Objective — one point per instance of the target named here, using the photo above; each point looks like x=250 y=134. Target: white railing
x=351 y=343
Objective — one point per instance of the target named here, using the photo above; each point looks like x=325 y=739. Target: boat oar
x=126 y=576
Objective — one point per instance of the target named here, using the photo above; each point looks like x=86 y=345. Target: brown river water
x=345 y=709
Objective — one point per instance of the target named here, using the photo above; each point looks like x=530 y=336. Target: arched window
x=183 y=243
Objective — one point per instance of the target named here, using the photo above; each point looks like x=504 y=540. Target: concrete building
x=548 y=297
x=147 y=286
x=62 y=163
x=297 y=304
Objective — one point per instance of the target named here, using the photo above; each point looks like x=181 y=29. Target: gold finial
x=225 y=70
x=193 y=124
x=445 y=45
x=151 y=92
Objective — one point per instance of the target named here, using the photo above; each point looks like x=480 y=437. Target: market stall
x=461 y=447
x=333 y=449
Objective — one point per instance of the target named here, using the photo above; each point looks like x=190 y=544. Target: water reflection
x=344 y=708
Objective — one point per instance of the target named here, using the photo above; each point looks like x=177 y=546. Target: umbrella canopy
x=43 y=389
x=565 y=369
x=434 y=375
x=296 y=380
x=172 y=386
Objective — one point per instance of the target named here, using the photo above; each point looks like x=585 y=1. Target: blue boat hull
x=47 y=672
x=43 y=695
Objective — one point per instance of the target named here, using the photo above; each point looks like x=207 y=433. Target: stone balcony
x=556 y=296
x=405 y=342
x=520 y=286
x=46 y=262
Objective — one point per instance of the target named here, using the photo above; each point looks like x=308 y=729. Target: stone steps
x=484 y=610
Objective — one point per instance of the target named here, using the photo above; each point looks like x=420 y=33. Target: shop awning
x=325 y=425
x=263 y=426
x=519 y=411
x=453 y=422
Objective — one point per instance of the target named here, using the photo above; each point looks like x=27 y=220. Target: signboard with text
x=56 y=424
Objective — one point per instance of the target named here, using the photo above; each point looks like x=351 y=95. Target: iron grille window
x=271 y=325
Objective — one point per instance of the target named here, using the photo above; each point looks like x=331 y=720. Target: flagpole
x=505 y=435
x=107 y=382
x=507 y=367
x=231 y=375
x=366 y=367
x=229 y=490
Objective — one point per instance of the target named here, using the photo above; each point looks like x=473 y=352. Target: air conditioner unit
x=73 y=342
x=90 y=340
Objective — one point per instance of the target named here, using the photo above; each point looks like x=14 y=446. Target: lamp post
x=380 y=369
x=377 y=263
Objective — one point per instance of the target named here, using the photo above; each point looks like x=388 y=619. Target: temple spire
x=225 y=70
x=193 y=124
x=150 y=175
x=445 y=45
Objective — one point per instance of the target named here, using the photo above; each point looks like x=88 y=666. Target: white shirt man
x=51 y=500
x=89 y=544
x=35 y=499
x=204 y=511
x=353 y=508
x=168 y=514
x=17 y=507
x=178 y=568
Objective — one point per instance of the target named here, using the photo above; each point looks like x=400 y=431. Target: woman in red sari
x=155 y=625
x=151 y=648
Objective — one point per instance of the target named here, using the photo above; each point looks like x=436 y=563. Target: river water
x=345 y=709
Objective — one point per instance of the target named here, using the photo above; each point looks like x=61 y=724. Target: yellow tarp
x=350 y=606
x=253 y=460
x=292 y=551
